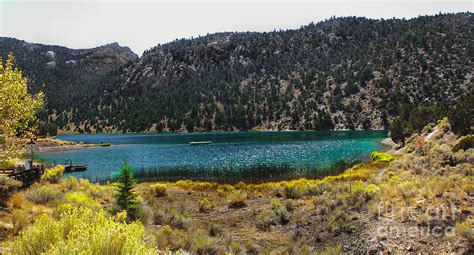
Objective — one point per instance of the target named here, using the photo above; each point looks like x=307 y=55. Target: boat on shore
x=200 y=143
x=74 y=168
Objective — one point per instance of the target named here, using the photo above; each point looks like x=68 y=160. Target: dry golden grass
x=17 y=201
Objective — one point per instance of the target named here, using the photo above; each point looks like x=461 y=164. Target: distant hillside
x=72 y=80
x=342 y=73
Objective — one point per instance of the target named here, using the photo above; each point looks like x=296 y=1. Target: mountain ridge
x=343 y=73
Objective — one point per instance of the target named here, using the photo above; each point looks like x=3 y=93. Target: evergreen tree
x=127 y=198
x=42 y=131
x=396 y=131
x=461 y=115
x=52 y=129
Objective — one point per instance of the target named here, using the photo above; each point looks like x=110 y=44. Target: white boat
x=200 y=143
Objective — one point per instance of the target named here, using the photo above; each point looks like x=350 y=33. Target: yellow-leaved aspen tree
x=17 y=110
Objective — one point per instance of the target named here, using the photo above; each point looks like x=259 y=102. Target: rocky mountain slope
x=70 y=79
x=342 y=73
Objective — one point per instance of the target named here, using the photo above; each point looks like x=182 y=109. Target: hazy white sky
x=143 y=24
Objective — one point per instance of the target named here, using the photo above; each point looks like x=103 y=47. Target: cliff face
x=342 y=73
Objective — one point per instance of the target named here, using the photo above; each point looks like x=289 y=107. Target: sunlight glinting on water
x=228 y=150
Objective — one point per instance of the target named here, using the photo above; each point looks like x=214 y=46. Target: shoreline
x=389 y=144
x=214 y=131
x=53 y=144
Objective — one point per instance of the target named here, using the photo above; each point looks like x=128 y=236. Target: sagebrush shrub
x=77 y=200
x=20 y=220
x=277 y=215
x=464 y=143
x=381 y=156
x=265 y=220
x=159 y=190
x=464 y=229
x=42 y=194
x=214 y=229
x=69 y=183
x=206 y=205
x=290 y=191
x=168 y=238
x=203 y=244
x=53 y=175
x=237 y=199
x=171 y=217
x=80 y=231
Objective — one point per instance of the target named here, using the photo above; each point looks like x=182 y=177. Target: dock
x=24 y=175
x=28 y=176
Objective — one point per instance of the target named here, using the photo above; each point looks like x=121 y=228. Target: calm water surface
x=318 y=148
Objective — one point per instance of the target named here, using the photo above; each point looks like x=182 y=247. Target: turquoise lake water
x=228 y=150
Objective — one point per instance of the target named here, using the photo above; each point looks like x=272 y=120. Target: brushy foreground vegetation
x=81 y=231
x=419 y=201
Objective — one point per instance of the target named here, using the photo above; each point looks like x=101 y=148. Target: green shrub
x=167 y=238
x=265 y=220
x=236 y=248
x=298 y=248
x=444 y=125
x=290 y=205
x=237 y=199
x=381 y=156
x=42 y=194
x=278 y=215
x=290 y=191
x=171 y=217
x=52 y=129
x=214 y=229
x=365 y=191
x=464 y=229
x=53 y=175
x=93 y=190
x=206 y=205
x=80 y=231
x=280 y=212
x=464 y=143
x=7 y=164
x=69 y=183
x=77 y=200
x=20 y=220
x=204 y=245
x=163 y=237
x=159 y=190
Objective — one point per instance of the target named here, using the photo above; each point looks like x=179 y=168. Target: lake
x=229 y=150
